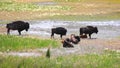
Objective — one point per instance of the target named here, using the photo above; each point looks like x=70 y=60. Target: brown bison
x=83 y=36
x=17 y=25
x=68 y=41
x=88 y=30
x=59 y=30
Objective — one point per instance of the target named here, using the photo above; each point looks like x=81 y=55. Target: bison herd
x=68 y=42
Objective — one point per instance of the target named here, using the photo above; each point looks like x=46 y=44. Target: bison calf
x=17 y=25
x=59 y=30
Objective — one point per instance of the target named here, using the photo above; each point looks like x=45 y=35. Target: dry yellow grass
x=25 y=15
x=92 y=8
x=77 y=9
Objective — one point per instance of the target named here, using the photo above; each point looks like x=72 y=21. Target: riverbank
x=53 y=10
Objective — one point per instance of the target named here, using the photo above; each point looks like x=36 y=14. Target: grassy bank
x=107 y=60
x=101 y=17
x=15 y=43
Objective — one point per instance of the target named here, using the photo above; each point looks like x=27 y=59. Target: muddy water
x=107 y=29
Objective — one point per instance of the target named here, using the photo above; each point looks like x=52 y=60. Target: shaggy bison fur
x=83 y=36
x=17 y=25
x=68 y=41
x=59 y=30
x=88 y=30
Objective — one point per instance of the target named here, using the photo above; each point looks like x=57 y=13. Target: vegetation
x=48 y=53
x=62 y=10
x=107 y=60
x=85 y=17
x=13 y=6
x=102 y=1
x=15 y=43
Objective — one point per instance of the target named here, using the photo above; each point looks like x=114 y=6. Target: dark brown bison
x=59 y=30
x=83 y=36
x=88 y=30
x=74 y=39
x=17 y=25
x=68 y=41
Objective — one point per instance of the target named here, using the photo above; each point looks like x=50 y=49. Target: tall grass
x=107 y=60
x=13 y=43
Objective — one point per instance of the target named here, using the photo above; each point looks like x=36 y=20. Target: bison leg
x=8 y=31
x=52 y=35
x=19 y=32
x=90 y=36
x=61 y=36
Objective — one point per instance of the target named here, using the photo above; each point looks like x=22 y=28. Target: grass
x=86 y=17
x=103 y=1
x=15 y=43
x=25 y=1
x=14 y=6
x=106 y=60
x=62 y=10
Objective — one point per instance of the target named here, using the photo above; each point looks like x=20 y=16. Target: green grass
x=14 y=6
x=15 y=43
x=107 y=60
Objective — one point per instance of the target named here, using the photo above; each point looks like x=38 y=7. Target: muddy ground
x=108 y=37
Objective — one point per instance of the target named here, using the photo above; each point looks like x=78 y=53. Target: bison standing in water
x=59 y=30
x=88 y=30
x=17 y=25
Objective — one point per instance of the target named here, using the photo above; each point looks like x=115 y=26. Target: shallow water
x=107 y=29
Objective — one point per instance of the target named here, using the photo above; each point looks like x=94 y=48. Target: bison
x=68 y=41
x=74 y=39
x=88 y=30
x=17 y=25
x=83 y=36
x=59 y=30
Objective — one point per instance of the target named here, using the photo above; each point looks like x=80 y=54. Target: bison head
x=96 y=30
x=27 y=26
